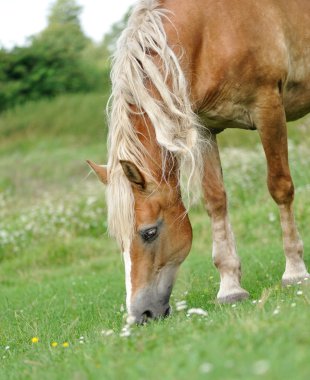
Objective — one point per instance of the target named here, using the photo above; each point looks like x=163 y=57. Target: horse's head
x=162 y=240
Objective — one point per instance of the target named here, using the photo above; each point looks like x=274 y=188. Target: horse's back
x=235 y=48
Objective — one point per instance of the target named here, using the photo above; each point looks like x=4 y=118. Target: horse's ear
x=100 y=170
x=133 y=173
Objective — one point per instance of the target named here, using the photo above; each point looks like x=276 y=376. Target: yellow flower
x=65 y=344
x=35 y=339
x=54 y=344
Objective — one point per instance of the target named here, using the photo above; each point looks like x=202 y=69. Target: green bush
x=53 y=63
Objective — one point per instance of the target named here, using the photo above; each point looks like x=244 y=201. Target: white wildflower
x=107 y=332
x=206 y=367
x=181 y=305
x=3 y=234
x=299 y=292
x=197 y=311
x=130 y=320
x=90 y=201
x=126 y=332
x=261 y=367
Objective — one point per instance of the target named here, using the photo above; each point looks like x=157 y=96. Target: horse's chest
x=296 y=94
x=228 y=114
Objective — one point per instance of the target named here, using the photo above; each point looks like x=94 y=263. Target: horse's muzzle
x=148 y=306
x=148 y=315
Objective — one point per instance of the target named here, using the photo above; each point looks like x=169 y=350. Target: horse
x=184 y=71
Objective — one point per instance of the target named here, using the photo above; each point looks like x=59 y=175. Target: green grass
x=61 y=277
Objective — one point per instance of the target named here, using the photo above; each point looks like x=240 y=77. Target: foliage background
x=59 y=60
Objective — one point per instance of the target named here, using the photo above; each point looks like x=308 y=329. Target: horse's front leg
x=271 y=123
x=224 y=250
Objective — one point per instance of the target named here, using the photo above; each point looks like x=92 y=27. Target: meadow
x=62 y=285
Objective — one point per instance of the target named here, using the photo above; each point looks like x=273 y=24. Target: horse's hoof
x=299 y=280
x=234 y=297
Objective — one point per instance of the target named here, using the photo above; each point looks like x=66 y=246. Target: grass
x=62 y=280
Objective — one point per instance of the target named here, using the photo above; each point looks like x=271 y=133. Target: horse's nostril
x=167 y=312
x=146 y=316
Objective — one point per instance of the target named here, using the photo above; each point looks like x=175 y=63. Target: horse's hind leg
x=224 y=250
x=271 y=123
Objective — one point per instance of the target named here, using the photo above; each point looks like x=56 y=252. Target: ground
x=62 y=285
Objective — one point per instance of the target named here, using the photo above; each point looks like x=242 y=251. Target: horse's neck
x=161 y=165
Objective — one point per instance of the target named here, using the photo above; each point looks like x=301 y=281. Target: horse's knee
x=281 y=188
x=215 y=201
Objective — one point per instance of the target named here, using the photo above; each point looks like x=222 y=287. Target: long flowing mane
x=176 y=125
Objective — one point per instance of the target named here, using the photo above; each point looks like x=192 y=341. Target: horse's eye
x=149 y=235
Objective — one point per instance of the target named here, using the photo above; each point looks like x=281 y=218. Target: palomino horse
x=235 y=63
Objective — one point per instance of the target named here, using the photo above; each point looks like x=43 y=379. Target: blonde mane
x=176 y=125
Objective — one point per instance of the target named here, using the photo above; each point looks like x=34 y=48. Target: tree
x=60 y=59
x=65 y=12
x=52 y=64
x=64 y=28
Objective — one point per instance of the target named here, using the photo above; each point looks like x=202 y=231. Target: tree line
x=60 y=59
